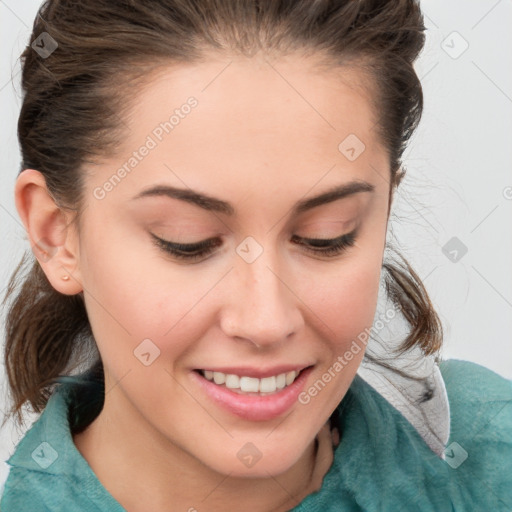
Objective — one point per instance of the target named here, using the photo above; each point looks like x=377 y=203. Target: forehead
x=258 y=96
x=253 y=119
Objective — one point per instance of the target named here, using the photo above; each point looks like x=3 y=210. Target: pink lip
x=257 y=372
x=253 y=407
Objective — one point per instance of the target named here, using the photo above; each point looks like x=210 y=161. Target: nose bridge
x=263 y=309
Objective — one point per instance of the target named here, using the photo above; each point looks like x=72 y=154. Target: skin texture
x=262 y=137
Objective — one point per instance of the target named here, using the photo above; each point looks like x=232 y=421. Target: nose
x=263 y=307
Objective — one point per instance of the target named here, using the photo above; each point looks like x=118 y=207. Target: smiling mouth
x=245 y=385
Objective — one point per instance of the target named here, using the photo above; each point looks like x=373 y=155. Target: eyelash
x=325 y=247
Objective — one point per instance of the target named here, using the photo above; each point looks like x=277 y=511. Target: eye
x=327 y=247
x=187 y=251
x=324 y=247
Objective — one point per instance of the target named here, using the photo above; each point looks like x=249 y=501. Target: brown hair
x=75 y=98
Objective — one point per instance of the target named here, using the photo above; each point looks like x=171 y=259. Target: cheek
x=343 y=305
x=344 y=302
x=131 y=296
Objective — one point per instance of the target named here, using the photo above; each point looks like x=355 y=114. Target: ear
x=52 y=236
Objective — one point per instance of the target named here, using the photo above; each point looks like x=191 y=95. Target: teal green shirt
x=381 y=463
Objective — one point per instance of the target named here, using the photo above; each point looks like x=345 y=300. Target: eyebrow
x=218 y=205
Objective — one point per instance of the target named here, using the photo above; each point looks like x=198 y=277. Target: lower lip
x=253 y=407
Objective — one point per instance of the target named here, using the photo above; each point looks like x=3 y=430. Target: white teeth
x=232 y=381
x=268 y=385
x=290 y=377
x=249 y=384
x=218 y=377
x=252 y=384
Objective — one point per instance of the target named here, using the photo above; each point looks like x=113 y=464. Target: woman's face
x=259 y=141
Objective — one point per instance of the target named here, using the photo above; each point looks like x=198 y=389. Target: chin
x=248 y=460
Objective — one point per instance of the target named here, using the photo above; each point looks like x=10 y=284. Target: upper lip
x=258 y=373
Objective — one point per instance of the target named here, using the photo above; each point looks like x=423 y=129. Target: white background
x=458 y=183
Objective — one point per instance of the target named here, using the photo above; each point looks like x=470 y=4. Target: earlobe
x=50 y=232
